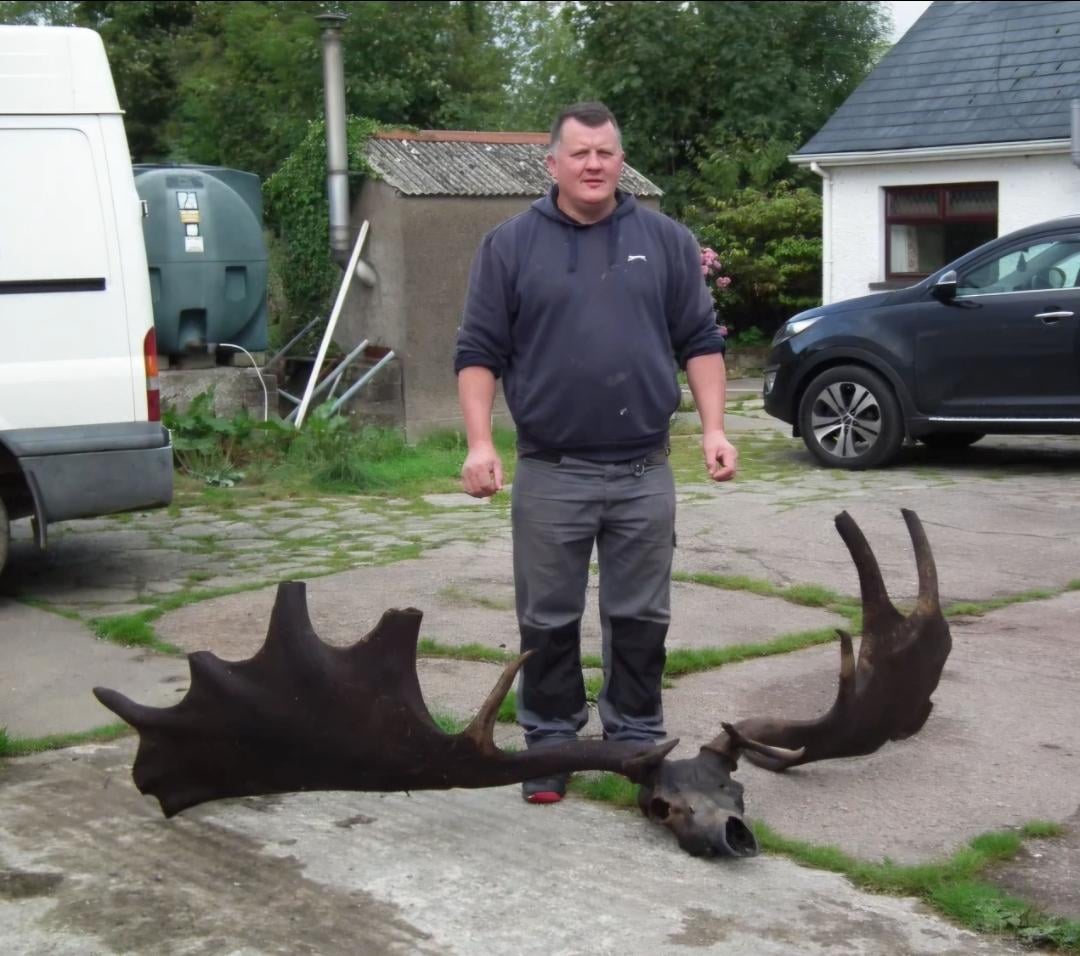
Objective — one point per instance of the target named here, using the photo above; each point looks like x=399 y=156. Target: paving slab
x=466 y=593
x=988 y=537
x=461 y=872
x=50 y=664
x=1047 y=872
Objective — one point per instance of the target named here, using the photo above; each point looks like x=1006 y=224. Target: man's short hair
x=592 y=115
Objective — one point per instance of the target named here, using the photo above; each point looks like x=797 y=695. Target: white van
x=80 y=429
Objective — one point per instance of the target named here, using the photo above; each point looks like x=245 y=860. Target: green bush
x=770 y=244
x=297 y=215
x=329 y=453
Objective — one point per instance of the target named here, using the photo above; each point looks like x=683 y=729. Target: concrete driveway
x=87 y=865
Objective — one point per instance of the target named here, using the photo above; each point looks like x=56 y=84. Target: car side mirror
x=945 y=288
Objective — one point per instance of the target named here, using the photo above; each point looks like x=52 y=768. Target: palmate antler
x=302 y=715
x=886 y=696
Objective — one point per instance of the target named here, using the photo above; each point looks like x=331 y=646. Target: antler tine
x=875 y=597
x=929 y=600
x=482 y=728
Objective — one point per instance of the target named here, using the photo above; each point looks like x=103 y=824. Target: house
x=433 y=196
x=960 y=134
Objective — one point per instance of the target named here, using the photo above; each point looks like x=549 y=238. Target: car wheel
x=5 y=535
x=850 y=418
x=950 y=441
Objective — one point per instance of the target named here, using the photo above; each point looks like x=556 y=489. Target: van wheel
x=850 y=418
x=5 y=535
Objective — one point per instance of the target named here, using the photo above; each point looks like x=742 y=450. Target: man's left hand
x=721 y=457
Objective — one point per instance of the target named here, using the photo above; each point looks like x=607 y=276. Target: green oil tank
x=207 y=257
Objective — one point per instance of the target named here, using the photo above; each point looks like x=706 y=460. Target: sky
x=905 y=13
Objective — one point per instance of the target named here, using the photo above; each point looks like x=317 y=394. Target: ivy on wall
x=304 y=276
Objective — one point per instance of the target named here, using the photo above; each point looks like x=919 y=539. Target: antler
x=887 y=695
x=302 y=715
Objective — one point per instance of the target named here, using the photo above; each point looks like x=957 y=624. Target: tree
x=684 y=77
x=138 y=37
x=545 y=56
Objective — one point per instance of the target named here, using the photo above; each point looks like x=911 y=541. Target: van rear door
x=66 y=355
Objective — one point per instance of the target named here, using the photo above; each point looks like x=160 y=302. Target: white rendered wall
x=1030 y=190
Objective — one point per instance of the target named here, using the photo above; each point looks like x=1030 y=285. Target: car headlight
x=793 y=327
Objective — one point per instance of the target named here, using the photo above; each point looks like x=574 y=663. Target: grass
x=978 y=608
x=692 y=661
x=1042 y=829
x=429 y=647
x=952 y=887
x=605 y=788
x=328 y=455
x=807 y=595
x=449 y=724
x=774 y=457
x=463 y=598
x=24 y=746
x=132 y=630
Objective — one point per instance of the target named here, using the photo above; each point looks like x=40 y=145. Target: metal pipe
x=337 y=153
x=332 y=378
x=296 y=338
x=343 y=290
x=361 y=382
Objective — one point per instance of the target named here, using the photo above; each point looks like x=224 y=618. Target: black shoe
x=545 y=789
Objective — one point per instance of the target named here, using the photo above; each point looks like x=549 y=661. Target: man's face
x=586 y=165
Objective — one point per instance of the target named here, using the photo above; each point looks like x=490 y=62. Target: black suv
x=990 y=344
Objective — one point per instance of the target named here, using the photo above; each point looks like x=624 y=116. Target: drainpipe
x=337 y=157
x=1076 y=132
x=826 y=232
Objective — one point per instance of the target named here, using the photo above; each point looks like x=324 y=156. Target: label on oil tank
x=193 y=244
x=189 y=215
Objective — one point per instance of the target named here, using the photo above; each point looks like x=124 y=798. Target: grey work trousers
x=559 y=509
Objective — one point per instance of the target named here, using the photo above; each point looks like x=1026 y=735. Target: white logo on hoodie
x=636 y=259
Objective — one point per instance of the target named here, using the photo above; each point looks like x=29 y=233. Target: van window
x=51 y=219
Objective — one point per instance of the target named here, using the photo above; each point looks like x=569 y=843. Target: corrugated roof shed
x=465 y=163
x=995 y=71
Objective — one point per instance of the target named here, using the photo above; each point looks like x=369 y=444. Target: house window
x=928 y=226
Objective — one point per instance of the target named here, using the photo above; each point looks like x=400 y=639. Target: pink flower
x=723 y=282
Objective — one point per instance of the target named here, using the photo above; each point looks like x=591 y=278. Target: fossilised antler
x=887 y=695
x=302 y=715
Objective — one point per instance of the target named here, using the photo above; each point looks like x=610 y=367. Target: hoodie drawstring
x=572 y=266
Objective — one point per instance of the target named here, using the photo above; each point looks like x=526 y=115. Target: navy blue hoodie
x=585 y=324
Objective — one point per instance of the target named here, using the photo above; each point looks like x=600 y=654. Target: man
x=583 y=304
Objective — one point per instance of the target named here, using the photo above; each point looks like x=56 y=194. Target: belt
x=654 y=457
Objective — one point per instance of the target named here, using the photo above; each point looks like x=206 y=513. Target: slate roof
x=994 y=71
x=466 y=163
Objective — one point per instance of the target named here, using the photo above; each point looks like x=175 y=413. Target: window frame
x=943 y=217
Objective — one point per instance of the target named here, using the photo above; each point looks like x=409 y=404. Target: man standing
x=583 y=304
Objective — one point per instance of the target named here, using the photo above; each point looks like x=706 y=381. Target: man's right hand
x=482 y=475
